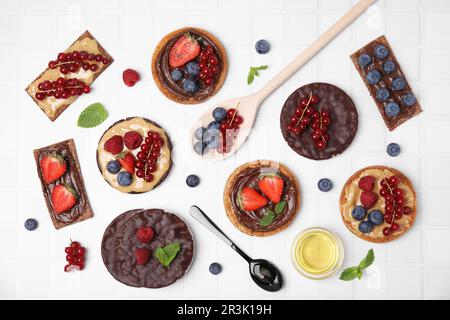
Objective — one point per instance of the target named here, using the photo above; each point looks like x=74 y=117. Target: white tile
x=30 y=38
x=235 y=29
x=401 y=277
x=164 y=5
x=301 y=28
x=8 y=279
x=71 y=6
x=373 y=284
x=329 y=69
x=301 y=5
x=201 y=5
x=435 y=278
x=235 y=5
x=7 y=6
x=409 y=60
x=403 y=4
x=403 y=28
x=105 y=6
x=433 y=241
x=267 y=5
x=408 y=248
x=433 y=25
x=106 y=29
x=435 y=65
x=44 y=5
x=10 y=29
x=436 y=4
x=432 y=166
x=432 y=97
x=434 y=215
x=272 y=31
x=430 y=130
x=335 y=4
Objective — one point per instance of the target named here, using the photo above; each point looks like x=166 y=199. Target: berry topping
x=190 y=85
x=75 y=255
x=176 y=74
x=376 y=217
x=192 y=68
x=145 y=234
x=31 y=224
x=409 y=99
x=142 y=255
x=192 y=180
x=364 y=60
x=212 y=137
x=249 y=199
x=398 y=84
x=262 y=46
x=325 y=185
x=219 y=113
x=368 y=199
x=114 y=144
x=124 y=178
x=63 y=198
x=383 y=94
x=214 y=125
x=366 y=183
x=198 y=133
x=130 y=77
x=215 y=268
x=185 y=49
x=113 y=166
x=365 y=226
x=272 y=187
x=393 y=149
x=52 y=167
x=358 y=213
x=388 y=67
x=127 y=161
x=61 y=89
x=132 y=140
x=373 y=76
x=381 y=52
x=392 y=109
x=199 y=147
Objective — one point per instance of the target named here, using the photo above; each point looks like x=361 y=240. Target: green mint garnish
x=165 y=255
x=270 y=215
x=356 y=271
x=280 y=206
x=92 y=116
x=254 y=71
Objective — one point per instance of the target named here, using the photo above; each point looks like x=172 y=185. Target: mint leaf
x=267 y=219
x=92 y=116
x=254 y=72
x=367 y=261
x=280 y=206
x=165 y=255
x=349 y=274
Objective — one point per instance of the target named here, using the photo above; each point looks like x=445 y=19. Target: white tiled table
x=32 y=32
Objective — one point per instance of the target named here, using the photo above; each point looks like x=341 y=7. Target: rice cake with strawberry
x=134 y=155
x=189 y=65
x=262 y=197
x=378 y=204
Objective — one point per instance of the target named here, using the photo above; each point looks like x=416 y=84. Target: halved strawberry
x=366 y=183
x=185 y=49
x=53 y=167
x=63 y=198
x=145 y=234
x=368 y=199
x=127 y=161
x=142 y=255
x=249 y=199
x=272 y=186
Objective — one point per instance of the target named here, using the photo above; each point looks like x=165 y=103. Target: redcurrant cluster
x=305 y=115
x=395 y=208
x=73 y=61
x=148 y=155
x=75 y=256
x=61 y=88
x=209 y=65
x=229 y=128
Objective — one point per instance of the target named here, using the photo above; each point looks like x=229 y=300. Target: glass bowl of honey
x=317 y=253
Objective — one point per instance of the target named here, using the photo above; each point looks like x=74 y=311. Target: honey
x=317 y=253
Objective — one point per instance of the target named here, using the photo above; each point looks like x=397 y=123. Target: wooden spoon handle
x=313 y=49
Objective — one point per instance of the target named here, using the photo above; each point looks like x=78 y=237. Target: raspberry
x=114 y=144
x=366 y=183
x=142 y=255
x=132 y=140
x=368 y=199
x=145 y=234
x=130 y=77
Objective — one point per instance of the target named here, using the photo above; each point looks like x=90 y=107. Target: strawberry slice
x=53 y=167
x=249 y=199
x=63 y=198
x=127 y=161
x=272 y=186
x=366 y=183
x=142 y=255
x=185 y=49
x=368 y=199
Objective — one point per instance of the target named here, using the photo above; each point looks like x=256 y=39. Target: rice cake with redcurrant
x=261 y=198
x=378 y=204
x=134 y=155
x=319 y=121
x=189 y=65
x=70 y=75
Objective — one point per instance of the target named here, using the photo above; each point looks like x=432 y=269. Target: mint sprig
x=254 y=71
x=356 y=271
x=92 y=116
x=166 y=254
x=271 y=215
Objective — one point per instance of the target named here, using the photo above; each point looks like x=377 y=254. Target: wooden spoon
x=248 y=106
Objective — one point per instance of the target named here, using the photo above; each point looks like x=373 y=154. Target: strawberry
x=127 y=161
x=114 y=144
x=63 y=198
x=145 y=234
x=272 y=186
x=142 y=255
x=368 y=199
x=366 y=183
x=130 y=77
x=185 y=49
x=250 y=199
x=132 y=140
x=53 y=167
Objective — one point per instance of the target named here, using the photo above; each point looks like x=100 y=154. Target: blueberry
x=380 y=52
x=388 y=67
x=198 y=133
x=215 y=268
x=192 y=180
x=373 y=76
x=190 y=85
x=192 y=68
x=124 y=178
x=392 y=109
x=383 y=94
x=393 y=149
x=176 y=74
x=365 y=226
x=325 y=185
x=409 y=99
x=364 y=60
x=199 y=147
x=262 y=46
x=31 y=224
x=398 y=84
x=219 y=113
x=113 y=166
x=214 y=125
x=211 y=138
x=358 y=213
x=376 y=217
